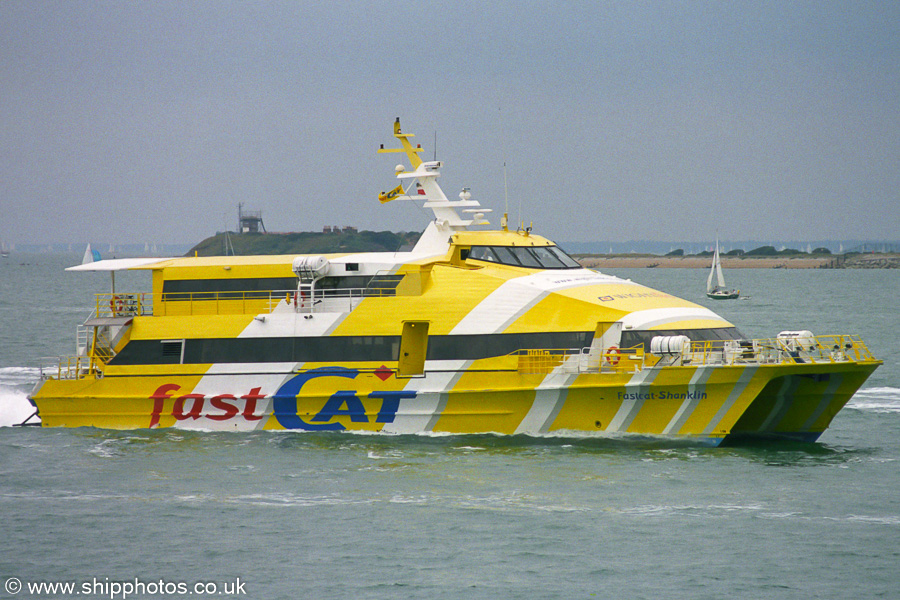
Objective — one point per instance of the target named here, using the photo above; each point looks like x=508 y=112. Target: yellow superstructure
x=472 y=331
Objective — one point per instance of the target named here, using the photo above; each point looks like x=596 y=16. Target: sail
x=715 y=269
x=90 y=255
x=719 y=277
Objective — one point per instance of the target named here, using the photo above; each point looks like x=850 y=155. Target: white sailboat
x=718 y=291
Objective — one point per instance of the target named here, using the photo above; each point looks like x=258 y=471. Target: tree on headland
x=763 y=251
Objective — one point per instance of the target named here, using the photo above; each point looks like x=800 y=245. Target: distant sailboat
x=4 y=250
x=90 y=255
x=718 y=291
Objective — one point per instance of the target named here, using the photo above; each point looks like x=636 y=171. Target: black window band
x=344 y=348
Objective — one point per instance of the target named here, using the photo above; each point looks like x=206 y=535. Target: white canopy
x=116 y=264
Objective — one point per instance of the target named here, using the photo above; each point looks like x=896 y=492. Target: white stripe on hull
x=421 y=413
x=695 y=389
x=549 y=398
x=827 y=397
x=291 y=324
x=787 y=389
x=638 y=385
x=736 y=391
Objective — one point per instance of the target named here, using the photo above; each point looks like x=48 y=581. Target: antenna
x=503 y=150
x=435 y=145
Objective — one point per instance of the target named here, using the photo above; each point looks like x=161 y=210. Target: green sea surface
x=335 y=515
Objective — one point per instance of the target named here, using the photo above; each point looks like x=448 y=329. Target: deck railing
x=580 y=360
x=234 y=302
x=65 y=367
x=780 y=350
x=815 y=349
x=123 y=305
x=796 y=349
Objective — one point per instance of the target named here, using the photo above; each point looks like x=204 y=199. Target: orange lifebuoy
x=301 y=295
x=612 y=356
x=117 y=305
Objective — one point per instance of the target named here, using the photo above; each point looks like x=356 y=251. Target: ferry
x=475 y=330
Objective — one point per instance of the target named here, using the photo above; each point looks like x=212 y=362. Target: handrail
x=816 y=349
x=255 y=301
x=580 y=360
x=130 y=304
x=123 y=304
x=220 y=303
x=65 y=367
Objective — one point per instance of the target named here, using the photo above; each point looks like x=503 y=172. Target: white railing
x=330 y=300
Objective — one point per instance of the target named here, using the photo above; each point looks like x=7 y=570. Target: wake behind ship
x=473 y=331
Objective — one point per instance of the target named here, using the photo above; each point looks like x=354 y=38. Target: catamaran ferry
x=472 y=331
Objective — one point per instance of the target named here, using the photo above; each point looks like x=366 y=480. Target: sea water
x=327 y=515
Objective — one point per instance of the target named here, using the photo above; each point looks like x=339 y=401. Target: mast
x=426 y=174
x=712 y=269
x=715 y=269
x=719 y=277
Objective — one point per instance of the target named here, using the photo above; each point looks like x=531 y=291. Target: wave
x=19 y=375
x=14 y=406
x=877 y=399
x=15 y=383
x=757 y=510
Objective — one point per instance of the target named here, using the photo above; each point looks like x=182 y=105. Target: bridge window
x=536 y=257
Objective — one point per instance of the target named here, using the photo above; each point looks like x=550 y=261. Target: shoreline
x=837 y=261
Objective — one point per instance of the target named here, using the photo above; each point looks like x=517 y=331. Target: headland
x=339 y=241
x=796 y=261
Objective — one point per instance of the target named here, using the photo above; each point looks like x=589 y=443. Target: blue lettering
x=390 y=402
x=334 y=408
x=344 y=403
x=284 y=401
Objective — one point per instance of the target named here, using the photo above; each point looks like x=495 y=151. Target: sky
x=148 y=122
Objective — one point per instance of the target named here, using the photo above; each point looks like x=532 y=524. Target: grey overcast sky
x=135 y=122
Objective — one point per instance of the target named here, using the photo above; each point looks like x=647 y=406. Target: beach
x=803 y=261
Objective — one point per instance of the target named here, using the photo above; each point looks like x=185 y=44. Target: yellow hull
x=710 y=403
x=472 y=331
